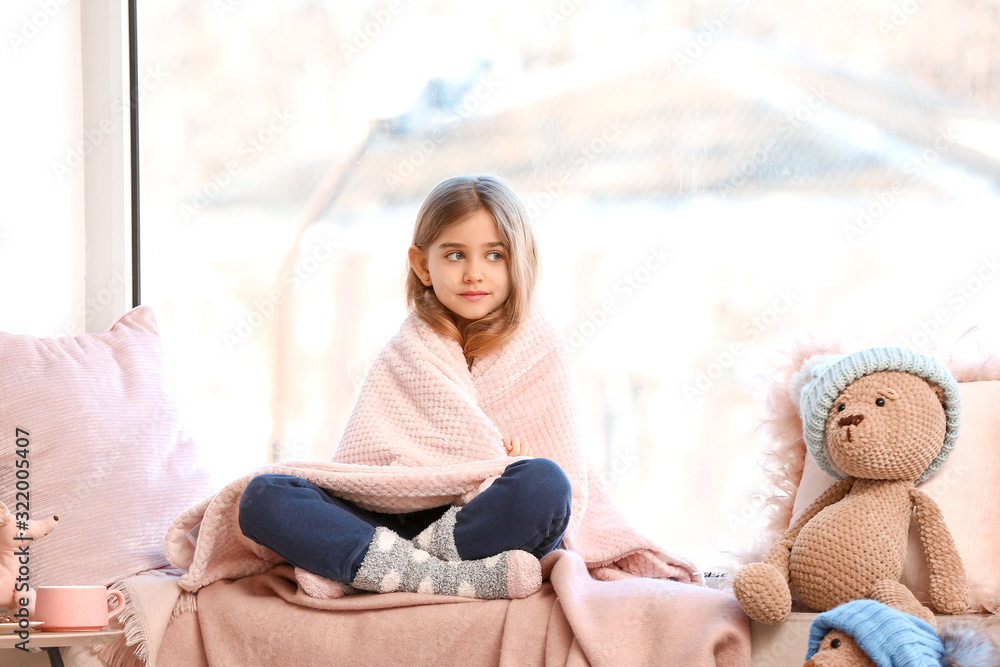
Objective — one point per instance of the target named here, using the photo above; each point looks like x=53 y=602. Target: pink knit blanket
x=426 y=432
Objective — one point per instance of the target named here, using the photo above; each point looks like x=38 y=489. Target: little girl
x=472 y=271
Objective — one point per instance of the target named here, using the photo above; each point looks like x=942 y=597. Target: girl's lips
x=474 y=296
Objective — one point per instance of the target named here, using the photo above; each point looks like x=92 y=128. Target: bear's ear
x=937 y=390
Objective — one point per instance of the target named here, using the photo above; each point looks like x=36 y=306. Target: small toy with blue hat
x=863 y=633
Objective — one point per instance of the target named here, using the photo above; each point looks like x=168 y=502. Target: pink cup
x=75 y=608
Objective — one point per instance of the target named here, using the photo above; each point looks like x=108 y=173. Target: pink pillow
x=967 y=489
x=106 y=451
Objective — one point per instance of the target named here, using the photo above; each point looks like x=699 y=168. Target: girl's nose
x=473 y=274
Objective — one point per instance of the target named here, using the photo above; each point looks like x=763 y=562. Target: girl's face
x=467 y=267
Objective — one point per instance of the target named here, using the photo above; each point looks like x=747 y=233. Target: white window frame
x=107 y=168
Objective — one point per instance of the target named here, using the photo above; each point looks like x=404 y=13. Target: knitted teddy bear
x=865 y=633
x=881 y=420
x=12 y=546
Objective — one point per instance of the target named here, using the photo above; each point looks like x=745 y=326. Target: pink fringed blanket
x=573 y=620
x=427 y=432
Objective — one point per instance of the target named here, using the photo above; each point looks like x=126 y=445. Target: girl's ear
x=418 y=262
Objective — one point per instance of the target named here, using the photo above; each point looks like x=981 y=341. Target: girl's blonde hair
x=451 y=202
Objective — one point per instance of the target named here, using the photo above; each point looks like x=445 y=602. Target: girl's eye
x=455 y=255
x=495 y=256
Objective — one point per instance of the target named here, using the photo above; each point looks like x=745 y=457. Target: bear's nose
x=851 y=420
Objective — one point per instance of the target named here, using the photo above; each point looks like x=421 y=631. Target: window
x=703 y=178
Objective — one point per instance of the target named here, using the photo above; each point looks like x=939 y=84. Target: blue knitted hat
x=887 y=636
x=830 y=377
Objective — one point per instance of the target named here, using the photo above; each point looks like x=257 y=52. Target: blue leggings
x=526 y=508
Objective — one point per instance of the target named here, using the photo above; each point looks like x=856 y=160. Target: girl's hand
x=515 y=446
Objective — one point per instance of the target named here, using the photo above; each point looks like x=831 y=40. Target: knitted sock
x=394 y=564
x=438 y=539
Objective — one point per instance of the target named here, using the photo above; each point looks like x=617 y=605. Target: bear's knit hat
x=826 y=378
x=887 y=636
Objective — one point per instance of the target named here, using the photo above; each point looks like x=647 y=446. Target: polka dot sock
x=438 y=539
x=394 y=564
